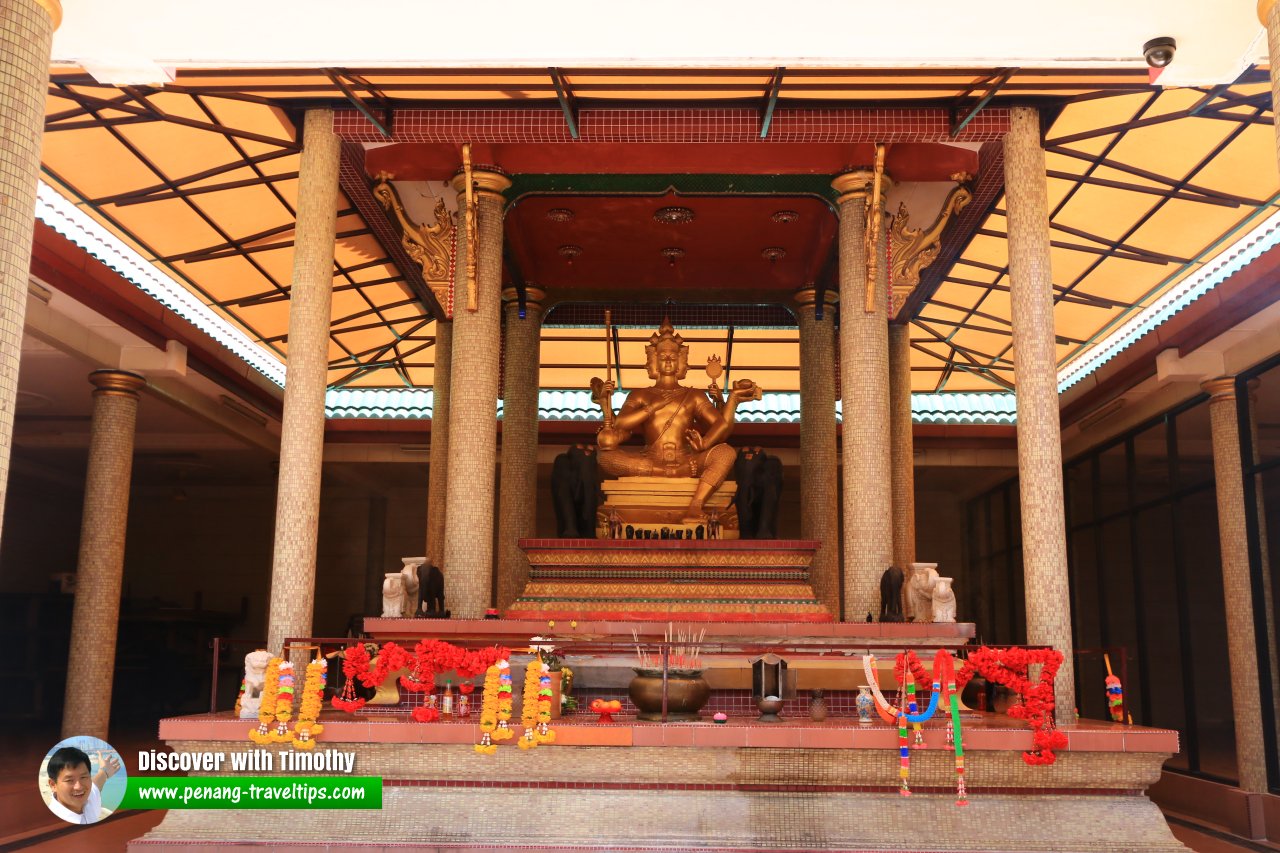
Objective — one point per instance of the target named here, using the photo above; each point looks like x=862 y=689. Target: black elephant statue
x=759 y=478
x=575 y=492
x=891 y=595
x=431 y=592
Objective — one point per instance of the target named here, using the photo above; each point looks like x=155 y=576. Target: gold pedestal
x=652 y=503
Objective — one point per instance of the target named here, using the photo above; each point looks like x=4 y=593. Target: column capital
x=1221 y=389
x=488 y=179
x=116 y=383
x=533 y=296
x=857 y=185
x=807 y=297
x=54 y=8
x=1264 y=10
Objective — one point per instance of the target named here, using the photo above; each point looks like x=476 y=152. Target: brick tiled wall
x=302 y=426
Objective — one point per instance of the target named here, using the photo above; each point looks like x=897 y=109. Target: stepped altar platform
x=795 y=785
x=722 y=580
x=743 y=785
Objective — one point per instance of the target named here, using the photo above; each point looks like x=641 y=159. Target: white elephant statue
x=410 y=584
x=920 y=592
x=393 y=595
x=944 y=601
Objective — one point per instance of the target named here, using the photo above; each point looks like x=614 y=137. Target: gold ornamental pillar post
x=518 y=485
x=864 y=386
x=438 y=467
x=473 y=406
x=819 y=493
x=1242 y=649
x=92 y=661
x=26 y=32
x=1044 y=532
x=901 y=446
x=293 y=561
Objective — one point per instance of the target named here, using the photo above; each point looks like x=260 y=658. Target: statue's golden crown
x=666 y=333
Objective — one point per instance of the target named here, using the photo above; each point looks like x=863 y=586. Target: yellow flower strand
x=304 y=733
x=267 y=708
x=529 y=707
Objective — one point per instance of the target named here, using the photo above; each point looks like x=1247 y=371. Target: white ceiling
x=136 y=38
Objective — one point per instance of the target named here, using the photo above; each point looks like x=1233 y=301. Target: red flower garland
x=354 y=660
x=1008 y=667
x=923 y=681
x=428 y=658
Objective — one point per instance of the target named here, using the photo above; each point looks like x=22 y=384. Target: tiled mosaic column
x=518 y=488
x=819 y=493
x=901 y=447
x=1242 y=649
x=1044 y=532
x=1269 y=15
x=1264 y=554
x=864 y=386
x=92 y=661
x=473 y=409
x=26 y=31
x=438 y=472
x=293 y=563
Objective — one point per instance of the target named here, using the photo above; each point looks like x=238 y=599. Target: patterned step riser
x=699 y=581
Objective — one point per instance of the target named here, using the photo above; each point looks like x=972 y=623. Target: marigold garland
x=489 y=709
x=284 y=703
x=304 y=733
x=529 y=704
x=267 y=708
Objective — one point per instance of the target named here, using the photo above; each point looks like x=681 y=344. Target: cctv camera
x=1159 y=51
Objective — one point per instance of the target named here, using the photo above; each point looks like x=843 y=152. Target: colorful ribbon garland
x=943 y=686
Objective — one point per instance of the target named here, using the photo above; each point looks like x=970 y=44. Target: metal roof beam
x=771 y=100
x=383 y=124
x=208 y=188
x=957 y=123
x=565 y=97
x=1172 y=183
x=198 y=176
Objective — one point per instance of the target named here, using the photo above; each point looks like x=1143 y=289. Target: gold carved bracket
x=430 y=246
x=913 y=249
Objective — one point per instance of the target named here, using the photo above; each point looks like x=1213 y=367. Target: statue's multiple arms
x=618 y=428
x=720 y=422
